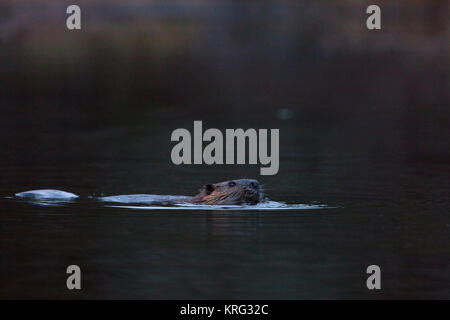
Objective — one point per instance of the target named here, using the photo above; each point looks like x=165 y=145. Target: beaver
x=239 y=191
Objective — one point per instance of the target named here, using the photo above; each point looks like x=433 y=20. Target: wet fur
x=243 y=191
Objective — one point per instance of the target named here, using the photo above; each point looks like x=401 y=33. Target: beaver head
x=230 y=192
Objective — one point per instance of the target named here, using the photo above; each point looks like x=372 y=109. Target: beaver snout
x=252 y=191
x=252 y=185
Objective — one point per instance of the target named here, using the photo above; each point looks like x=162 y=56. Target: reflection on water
x=270 y=206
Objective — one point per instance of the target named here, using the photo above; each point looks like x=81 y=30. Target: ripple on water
x=48 y=197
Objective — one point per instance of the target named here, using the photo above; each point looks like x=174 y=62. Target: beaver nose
x=254 y=185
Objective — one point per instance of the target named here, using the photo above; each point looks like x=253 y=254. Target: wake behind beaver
x=242 y=194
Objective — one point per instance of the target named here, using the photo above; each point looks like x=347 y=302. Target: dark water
x=390 y=211
x=92 y=111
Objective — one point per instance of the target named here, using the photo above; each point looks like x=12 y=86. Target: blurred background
x=363 y=115
x=137 y=70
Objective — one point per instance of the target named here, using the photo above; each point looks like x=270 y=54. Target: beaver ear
x=208 y=188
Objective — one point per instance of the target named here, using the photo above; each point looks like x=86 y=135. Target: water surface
x=387 y=212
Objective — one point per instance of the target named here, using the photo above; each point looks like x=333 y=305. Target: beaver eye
x=231 y=184
x=253 y=185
